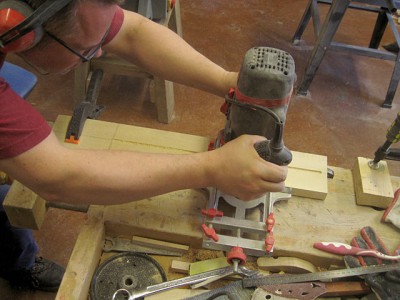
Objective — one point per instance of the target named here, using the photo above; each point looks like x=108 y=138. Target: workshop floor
x=340 y=118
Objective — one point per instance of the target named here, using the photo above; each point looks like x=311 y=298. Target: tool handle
x=393 y=133
x=345 y=249
x=281 y=157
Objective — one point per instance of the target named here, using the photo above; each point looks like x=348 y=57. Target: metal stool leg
x=394 y=81
x=303 y=23
x=328 y=30
x=379 y=29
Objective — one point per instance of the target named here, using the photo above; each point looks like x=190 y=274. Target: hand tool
x=258 y=106
x=190 y=280
x=345 y=249
x=392 y=213
x=86 y=109
x=318 y=276
x=312 y=290
x=384 y=151
x=129 y=270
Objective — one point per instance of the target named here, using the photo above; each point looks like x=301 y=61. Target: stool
x=325 y=34
x=21 y=81
x=161 y=91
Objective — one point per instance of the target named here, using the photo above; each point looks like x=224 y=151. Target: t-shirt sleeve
x=115 y=25
x=21 y=126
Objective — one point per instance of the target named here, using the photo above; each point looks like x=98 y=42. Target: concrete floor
x=341 y=117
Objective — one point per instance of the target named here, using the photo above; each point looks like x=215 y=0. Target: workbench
x=176 y=217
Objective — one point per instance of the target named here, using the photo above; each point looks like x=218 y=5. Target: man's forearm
x=165 y=54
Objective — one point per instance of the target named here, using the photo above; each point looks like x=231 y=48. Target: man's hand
x=241 y=172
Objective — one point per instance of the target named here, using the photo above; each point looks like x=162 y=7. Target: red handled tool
x=345 y=249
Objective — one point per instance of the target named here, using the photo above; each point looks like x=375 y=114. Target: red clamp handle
x=212 y=212
x=270 y=222
x=209 y=232
x=269 y=242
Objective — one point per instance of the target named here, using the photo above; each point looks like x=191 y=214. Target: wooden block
x=307 y=175
x=180 y=267
x=141 y=241
x=291 y=265
x=372 y=187
x=84 y=258
x=23 y=207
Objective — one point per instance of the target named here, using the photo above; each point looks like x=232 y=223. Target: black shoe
x=392 y=47
x=45 y=275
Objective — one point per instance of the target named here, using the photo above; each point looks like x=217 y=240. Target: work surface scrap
x=176 y=217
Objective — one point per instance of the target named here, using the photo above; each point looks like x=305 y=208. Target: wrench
x=205 y=277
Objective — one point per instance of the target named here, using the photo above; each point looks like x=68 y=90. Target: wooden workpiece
x=373 y=187
x=176 y=218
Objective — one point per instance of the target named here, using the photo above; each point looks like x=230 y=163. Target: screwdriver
x=392 y=136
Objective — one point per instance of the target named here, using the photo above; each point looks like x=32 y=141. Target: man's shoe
x=45 y=275
x=392 y=47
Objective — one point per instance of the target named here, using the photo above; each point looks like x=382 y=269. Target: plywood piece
x=141 y=241
x=292 y=265
x=23 y=207
x=207 y=265
x=84 y=258
x=372 y=187
x=174 y=217
x=307 y=175
x=300 y=222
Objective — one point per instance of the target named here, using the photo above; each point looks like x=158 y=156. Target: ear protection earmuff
x=21 y=25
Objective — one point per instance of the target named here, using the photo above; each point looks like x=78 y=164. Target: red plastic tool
x=345 y=249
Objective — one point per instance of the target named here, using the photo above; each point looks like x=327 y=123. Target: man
x=81 y=30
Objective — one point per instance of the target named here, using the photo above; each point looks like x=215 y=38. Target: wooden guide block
x=307 y=175
x=23 y=207
x=372 y=187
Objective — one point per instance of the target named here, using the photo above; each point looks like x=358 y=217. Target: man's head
x=72 y=34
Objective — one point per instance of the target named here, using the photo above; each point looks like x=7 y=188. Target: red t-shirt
x=21 y=126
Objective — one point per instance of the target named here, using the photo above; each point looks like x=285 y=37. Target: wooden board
x=23 y=207
x=306 y=175
x=84 y=258
x=373 y=187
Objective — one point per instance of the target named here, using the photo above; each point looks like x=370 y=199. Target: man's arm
x=113 y=177
x=160 y=51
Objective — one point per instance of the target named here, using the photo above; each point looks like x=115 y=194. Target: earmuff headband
x=37 y=18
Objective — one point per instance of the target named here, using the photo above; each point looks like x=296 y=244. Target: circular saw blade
x=131 y=271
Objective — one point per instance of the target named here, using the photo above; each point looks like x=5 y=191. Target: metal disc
x=131 y=271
